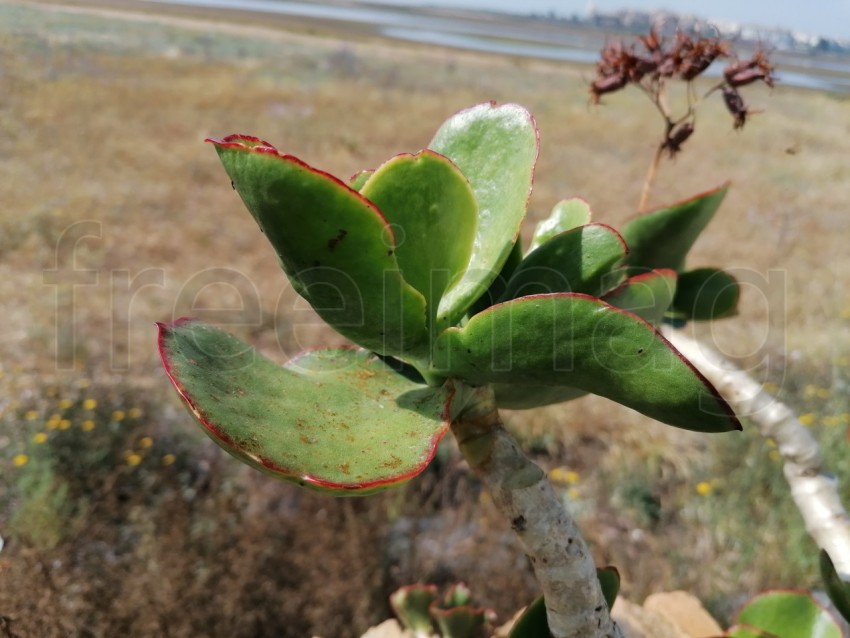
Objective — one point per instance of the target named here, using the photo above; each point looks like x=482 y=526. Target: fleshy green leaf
x=648 y=295
x=497 y=288
x=662 y=238
x=787 y=614
x=412 y=605
x=609 y=580
x=837 y=589
x=495 y=147
x=335 y=246
x=582 y=342
x=519 y=396
x=459 y=622
x=705 y=294
x=341 y=421
x=566 y=215
x=357 y=180
x=579 y=260
x=744 y=631
x=533 y=622
x=432 y=211
x=458 y=595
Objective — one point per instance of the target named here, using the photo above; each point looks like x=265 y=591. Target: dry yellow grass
x=115 y=214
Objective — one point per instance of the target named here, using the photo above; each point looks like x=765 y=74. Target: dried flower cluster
x=652 y=60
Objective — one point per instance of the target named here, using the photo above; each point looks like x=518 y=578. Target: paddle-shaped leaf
x=787 y=614
x=460 y=622
x=648 y=295
x=579 y=341
x=495 y=147
x=532 y=623
x=335 y=246
x=609 y=580
x=566 y=215
x=432 y=211
x=359 y=178
x=520 y=396
x=341 y=420
x=662 y=238
x=412 y=605
x=837 y=588
x=497 y=288
x=705 y=294
x=580 y=260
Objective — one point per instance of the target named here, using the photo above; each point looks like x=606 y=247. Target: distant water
x=520 y=37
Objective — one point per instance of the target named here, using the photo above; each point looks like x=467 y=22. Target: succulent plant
x=420 y=608
x=420 y=264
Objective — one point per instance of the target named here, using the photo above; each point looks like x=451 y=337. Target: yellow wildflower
x=145 y=442
x=807 y=419
x=831 y=421
x=118 y=415
x=87 y=425
x=89 y=404
x=39 y=437
x=133 y=459
x=703 y=488
x=134 y=413
x=168 y=459
x=64 y=424
x=823 y=393
x=563 y=476
x=774 y=455
x=31 y=415
x=20 y=460
x=64 y=404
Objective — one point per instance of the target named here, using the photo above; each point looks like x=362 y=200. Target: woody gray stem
x=560 y=558
x=814 y=490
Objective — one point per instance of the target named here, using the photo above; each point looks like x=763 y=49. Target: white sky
x=819 y=17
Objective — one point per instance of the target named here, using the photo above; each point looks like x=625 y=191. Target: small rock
x=387 y=629
x=686 y=612
x=638 y=622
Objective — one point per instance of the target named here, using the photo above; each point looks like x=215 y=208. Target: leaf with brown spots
x=338 y=420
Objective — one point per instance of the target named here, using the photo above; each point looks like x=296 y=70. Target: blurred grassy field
x=115 y=215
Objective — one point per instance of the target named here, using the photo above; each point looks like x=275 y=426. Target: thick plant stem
x=559 y=556
x=815 y=492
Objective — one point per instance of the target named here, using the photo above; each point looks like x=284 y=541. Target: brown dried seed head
x=735 y=105
x=677 y=137
x=608 y=84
